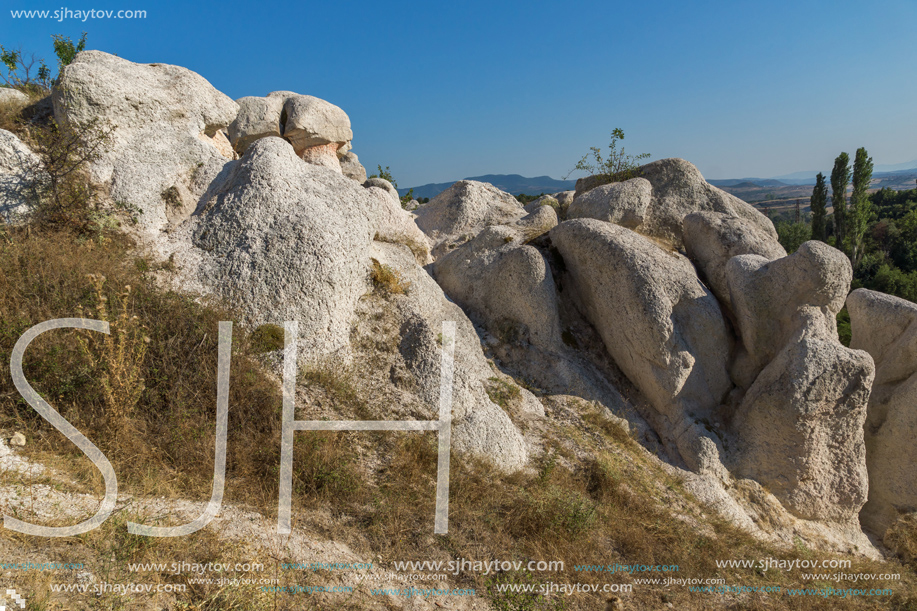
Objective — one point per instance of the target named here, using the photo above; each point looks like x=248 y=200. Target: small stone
x=18 y=439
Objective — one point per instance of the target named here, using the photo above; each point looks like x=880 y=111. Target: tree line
x=877 y=231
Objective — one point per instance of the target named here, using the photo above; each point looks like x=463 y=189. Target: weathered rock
x=774 y=300
x=799 y=428
x=221 y=141
x=21 y=176
x=678 y=189
x=622 y=203
x=160 y=156
x=564 y=198
x=8 y=95
x=886 y=328
x=325 y=155
x=381 y=183
x=712 y=238
x=290 y=241
x=663 y=328
x=352 y=168
x=18 y=439
x=257 y=118
x=504 y=283
x=479 y=426
x=544 y=200
x=461 y=211
x=311 y=122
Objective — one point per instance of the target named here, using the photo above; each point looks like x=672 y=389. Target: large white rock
x=257 y=118
x=799 y=429
x=311 y=121
x=663 y=328
x=8 y=95
x=886 y=328
x=678 y=189
x=712 y=238
x=479 y=426
x=21 y=177
x=161 y=155
x=504 y=283
x=622 y=203
x=290 y=241
x=774 y=300
x=461 y=211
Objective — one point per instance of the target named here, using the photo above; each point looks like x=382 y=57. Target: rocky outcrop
x=21 y=176
x=289 y=241
x=319 y=131
x=678 y=189
x=258 y=118
x=661 y=325
x=479 y=426
x=773 y=301
x=799 y=426
x=464 y=209
x=504 y=283
x=352 y=168
x=622 y=203
x=886 y=328
x=160 y=156
x=711 y=239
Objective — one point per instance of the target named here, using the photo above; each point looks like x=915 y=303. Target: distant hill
x=511 y=183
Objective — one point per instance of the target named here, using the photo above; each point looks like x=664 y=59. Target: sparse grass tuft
x=266 y=338
x=387 y=280
x=500 y=392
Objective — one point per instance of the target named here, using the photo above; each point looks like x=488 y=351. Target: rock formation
x=886 y=328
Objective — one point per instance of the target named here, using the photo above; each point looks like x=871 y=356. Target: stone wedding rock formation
x=661 y=297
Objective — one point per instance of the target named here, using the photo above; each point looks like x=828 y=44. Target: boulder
x=678 y=189
x=312 y=122
x=8 y=95
x=21 y=176
x=461 y=211
x=381 y=183
x=622 y=203
x=774 y=300
x=351 y=167
x=257 y=118
x=290 y=241
x=504 y=283
x=160 y=155
x=479 y=426
x=886 y=328
x=799 y=428
x=564 y=198
x=712 y=238
x=659 y=323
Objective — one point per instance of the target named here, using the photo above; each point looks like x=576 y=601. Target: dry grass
x=387 y=280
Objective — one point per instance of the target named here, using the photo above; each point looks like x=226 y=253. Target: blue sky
x=443 y=90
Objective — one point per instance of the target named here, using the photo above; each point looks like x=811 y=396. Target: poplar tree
x=840 y=176
x=819 y=203
x=860 y=206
